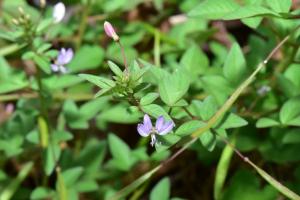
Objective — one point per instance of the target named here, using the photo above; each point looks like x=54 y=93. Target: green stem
x=43 y=118
x=157 y=48
x=83 y=23
x=58 y=96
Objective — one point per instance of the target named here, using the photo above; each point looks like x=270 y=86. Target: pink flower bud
x=110 y=31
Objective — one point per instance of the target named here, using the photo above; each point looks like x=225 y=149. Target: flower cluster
x=162 y=127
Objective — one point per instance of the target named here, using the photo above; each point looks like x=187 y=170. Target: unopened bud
x=59 y=12
x=16 y=22
x=21 y=10
x=110 y=31
x=42 y=3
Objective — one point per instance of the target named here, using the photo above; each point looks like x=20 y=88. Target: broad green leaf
x=155 y=111
x=41 y=193
x=235 y=65
x=51 y=156
x=217 y=86
x=172 y=87
x=72 y=175
x=161 y=190
x=214 y=9
x=86 y=186
x=280 y=6
x=195 y=61
x=189 y=127
x=119 y=114
x=121 y=152
x=249 y=11
x=87 y=57
x=42 y=63
x=266 y=122
x=149 y=98
x=208 y=140
x=291 y=137
x=232 y=121
x=91 y=157
x=290 y=110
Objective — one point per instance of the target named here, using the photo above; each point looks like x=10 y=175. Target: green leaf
x=189 y=127
x=86 y=186
x=121 y=153
x=235 y=65
x=291 y=137
x=72 y=175
x=41 y=193
x=290 y=110
x=250 y=11
x=195 y=61
x=232 y=121
x=51 y=155
x=115 y=69
x=155 y=111
x=266 y=122
x=149 y=98
x=208 y=140
x=217 y=86
x=173 y=87
x=87 y=57
x=119 y=114
x=214 y=9
x=161 y=190
x=42 y=63
x=99 y=81
x=280 y=6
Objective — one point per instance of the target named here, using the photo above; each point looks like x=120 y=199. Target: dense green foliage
x=225 y=72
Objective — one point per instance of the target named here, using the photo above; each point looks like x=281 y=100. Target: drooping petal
x=54 y=68
x=153 y=140
x=167 y=127
x=147 y=122
x=63 y=69
x=142 y=130
x=159 y=123
x=59 y=12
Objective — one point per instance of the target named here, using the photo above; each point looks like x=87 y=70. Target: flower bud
x=110 y=32
x=59 y=12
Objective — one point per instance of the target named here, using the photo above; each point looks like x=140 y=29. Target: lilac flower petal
x=153 y=139
x=159 y=123
x=167 y=127
x=54 y=68
x=64 y=56
x=142 y=130
x=68 y=56
x=147 y=122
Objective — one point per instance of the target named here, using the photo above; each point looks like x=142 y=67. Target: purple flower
x=63 y=58
x=162 y=127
